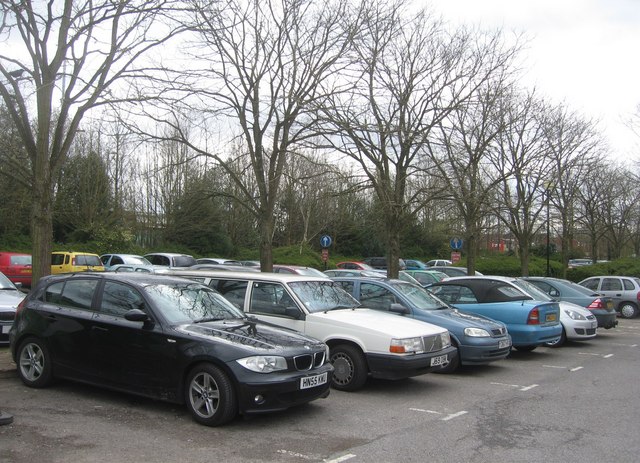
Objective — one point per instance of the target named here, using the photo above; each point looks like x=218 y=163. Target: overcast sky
x=585 y=53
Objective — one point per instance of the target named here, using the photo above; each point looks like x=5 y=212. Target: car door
x=612 y=287
x=271 y=302
x=67 y=309
x=133 y=355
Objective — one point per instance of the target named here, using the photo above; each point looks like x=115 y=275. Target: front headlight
x=573 y=315
x=264 y=363
x=446 y=339
x=476 y=333
x=407 y=345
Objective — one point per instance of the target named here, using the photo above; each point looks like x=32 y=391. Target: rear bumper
x=534 y=335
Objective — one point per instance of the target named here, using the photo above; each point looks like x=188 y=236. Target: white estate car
x=362 y=342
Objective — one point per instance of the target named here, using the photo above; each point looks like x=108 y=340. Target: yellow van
x=68 y=262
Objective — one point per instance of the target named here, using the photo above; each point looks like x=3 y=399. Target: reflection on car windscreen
x=182 y=303
x=318 y=296
x=418 y=296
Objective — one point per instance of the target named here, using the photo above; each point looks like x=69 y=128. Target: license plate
x=610 y=305
x=504 y=343
x=551 y=317
x=5 y=329
x=439 y=360
x=313 y=381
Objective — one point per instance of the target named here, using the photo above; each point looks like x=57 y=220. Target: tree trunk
x=266 y=243
x=41 y=225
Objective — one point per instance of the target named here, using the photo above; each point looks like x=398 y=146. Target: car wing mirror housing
x=136 y=315
x=399 y=309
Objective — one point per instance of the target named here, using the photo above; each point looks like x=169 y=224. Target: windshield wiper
x=208 y=319
x=343 y=307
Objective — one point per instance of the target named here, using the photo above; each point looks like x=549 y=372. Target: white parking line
x=522 y=388
x=425 y=411
x=554 y=366
x=608 y=356
x=454 y=415
x=295 y=454
x=576 y=368
x=346 y=457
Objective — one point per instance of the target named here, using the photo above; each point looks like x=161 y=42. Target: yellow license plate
x=551 y=317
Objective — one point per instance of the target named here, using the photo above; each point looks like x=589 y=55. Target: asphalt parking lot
x=579 y=403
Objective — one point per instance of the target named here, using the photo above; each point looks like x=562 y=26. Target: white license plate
x=5 y=329
x=504 y=343
x=440 y=360
x=313 y=381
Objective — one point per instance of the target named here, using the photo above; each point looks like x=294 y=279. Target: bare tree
x=409 y=73
x=260 y=68
x=573 y=146
x=64 y=59
x=521 y=196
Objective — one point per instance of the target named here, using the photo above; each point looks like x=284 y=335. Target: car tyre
x=210 y=395
x=525 y=348
x=559 y=342
x=452 y=366
x=350 y=368
x=628 y=310
x=34 y=363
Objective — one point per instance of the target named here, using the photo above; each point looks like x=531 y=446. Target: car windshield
x=5 y=283
x=420 y=297
x=318 y=296
x=88 y=260
x=191 y=302
x=136 y=260
x=20 y=260
x=532 y=290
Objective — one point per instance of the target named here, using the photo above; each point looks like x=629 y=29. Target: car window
x=184 y=261
x=591 y=283
x=20 y=260
x=57 y=259
x=233 y=290
x=504 y=293
x=118 y=299
x=611 y=284
x=269 y=298
x=376 y=297
x=628 y=284
x=116 y=260
x=185 y=302
x=346 y=285
x=72 y=293
x=90 y=261
x=455 y=294
x=105 y=259
x=318 y=296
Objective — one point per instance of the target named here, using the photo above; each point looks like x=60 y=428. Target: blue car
x=479 y=340
x=531 y=323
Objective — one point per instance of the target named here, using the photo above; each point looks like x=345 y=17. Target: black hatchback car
x=166 y=338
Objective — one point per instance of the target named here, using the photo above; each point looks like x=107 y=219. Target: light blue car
x=530 y=323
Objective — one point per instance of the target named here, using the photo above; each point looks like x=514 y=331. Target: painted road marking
x=576 y=368
x=346 y=457
x=446 y=418
x=562 y=367
x=604 y=356
x=518 y=386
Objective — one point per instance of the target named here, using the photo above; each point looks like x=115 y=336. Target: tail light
x=598 y=304
x=534 y=317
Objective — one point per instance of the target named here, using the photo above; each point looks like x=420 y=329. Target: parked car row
x=227 y=342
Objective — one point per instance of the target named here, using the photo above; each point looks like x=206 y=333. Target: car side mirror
x=136 y=315
x=554 y=293
x=18 y=285
x=399 y=309
x=293 y=312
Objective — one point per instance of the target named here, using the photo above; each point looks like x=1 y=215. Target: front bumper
x=485 y=351
x=396 y=366
x=262 y=393
x=580 y=330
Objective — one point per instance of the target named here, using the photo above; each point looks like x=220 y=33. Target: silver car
x=625 y=292
x=10 y=297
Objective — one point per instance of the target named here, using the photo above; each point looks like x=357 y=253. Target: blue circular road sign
x=325 y=241
x=456 y=244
